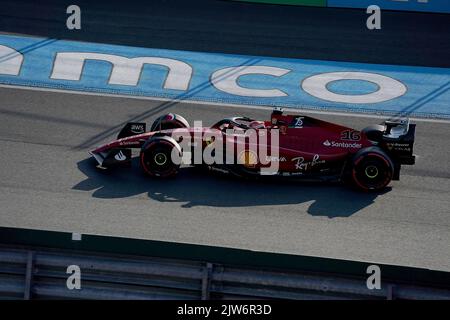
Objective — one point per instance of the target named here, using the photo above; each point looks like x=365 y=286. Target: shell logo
x=248 y=158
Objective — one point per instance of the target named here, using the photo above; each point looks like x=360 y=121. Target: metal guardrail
x=40 y=273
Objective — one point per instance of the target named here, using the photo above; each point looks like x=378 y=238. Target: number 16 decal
x=351 y=135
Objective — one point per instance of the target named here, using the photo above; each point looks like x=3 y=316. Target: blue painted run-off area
x=426 y=90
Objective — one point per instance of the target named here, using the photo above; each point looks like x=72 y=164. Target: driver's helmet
x=257 y=124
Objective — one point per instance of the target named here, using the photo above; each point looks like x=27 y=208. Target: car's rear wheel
x=169 y=121
x=161 y=157
x=371 y=170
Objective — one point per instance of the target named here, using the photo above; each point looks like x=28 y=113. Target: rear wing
x=398 y=137
x=396 y=128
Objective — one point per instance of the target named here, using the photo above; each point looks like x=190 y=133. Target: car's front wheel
x=161 y=157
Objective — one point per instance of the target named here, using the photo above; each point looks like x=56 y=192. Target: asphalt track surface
x=49 y=182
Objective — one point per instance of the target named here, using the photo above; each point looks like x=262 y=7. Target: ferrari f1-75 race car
x=285 y=145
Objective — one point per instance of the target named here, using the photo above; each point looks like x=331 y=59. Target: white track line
x=295 y=110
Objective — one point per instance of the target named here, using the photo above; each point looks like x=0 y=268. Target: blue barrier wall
x=442 y=6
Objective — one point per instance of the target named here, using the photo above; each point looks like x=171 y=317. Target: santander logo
x=347 y=145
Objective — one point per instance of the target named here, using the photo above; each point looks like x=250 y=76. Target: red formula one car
x=304 y=147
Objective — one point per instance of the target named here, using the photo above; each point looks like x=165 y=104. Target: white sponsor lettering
x=300 y=163
x=127 y=143
x=137 y=128
x=342 y=144
x=125 y=71
x=275 y=159
x=227 y=80
x=388 y=88
x=10 y=61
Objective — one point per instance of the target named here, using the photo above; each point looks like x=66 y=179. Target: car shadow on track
x=194 y=187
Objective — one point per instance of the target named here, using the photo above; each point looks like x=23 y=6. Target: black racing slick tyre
x=169 y=121
x=371 y=169
x=161 y=157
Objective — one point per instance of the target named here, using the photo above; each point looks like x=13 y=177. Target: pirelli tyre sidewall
x=372 y=169
x=156 y=157
x=169 y=121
